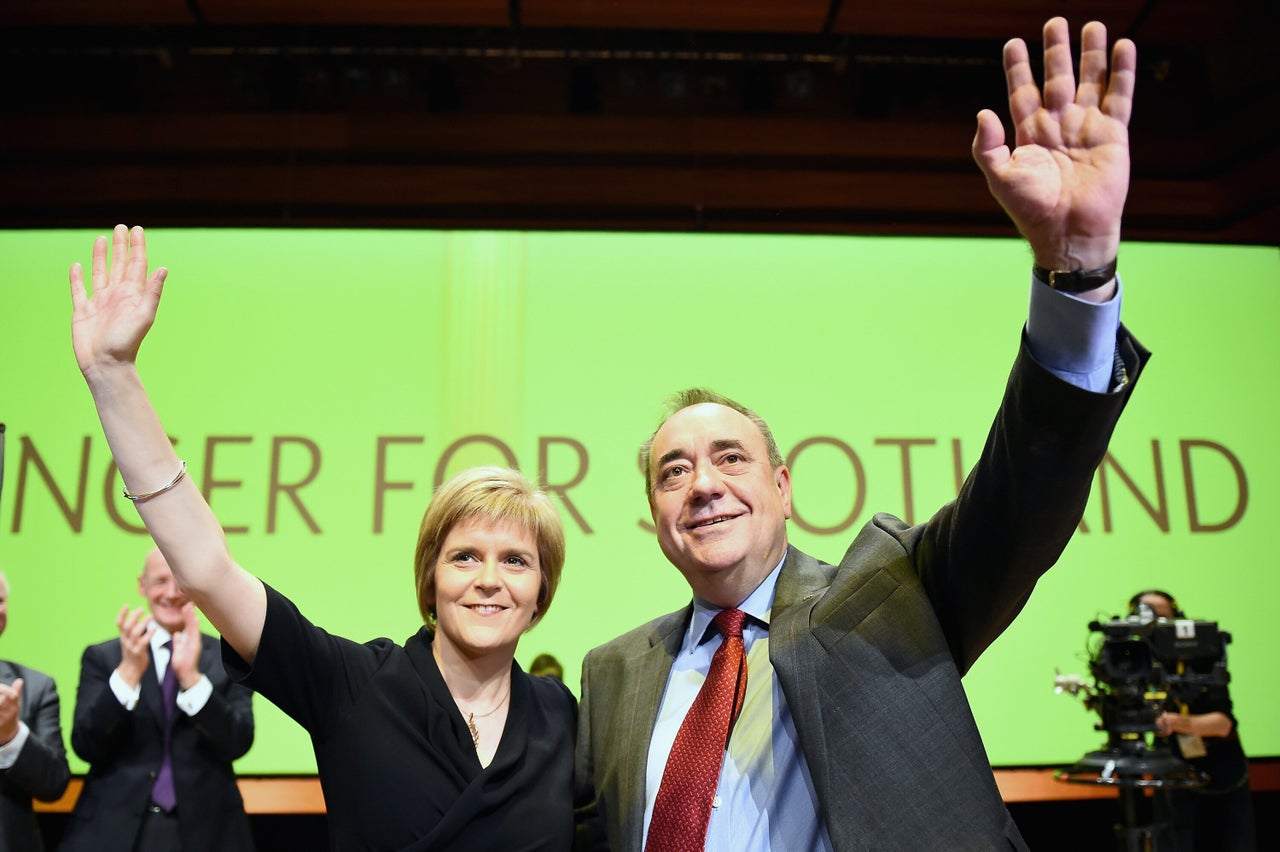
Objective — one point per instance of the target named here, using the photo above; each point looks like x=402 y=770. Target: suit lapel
x=644 y=680
x=151 y=697
x=8 y=672
x=801 y=584
x=210 y=653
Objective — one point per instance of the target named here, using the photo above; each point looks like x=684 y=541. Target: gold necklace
x=471 y=718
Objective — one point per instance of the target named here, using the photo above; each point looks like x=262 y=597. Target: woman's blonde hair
x=497 y=495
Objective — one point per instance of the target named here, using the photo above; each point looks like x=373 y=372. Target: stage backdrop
x=319 y=382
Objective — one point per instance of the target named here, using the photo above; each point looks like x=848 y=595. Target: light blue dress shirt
x=766 y=798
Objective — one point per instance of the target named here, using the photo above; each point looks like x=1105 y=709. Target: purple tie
x=163 y=793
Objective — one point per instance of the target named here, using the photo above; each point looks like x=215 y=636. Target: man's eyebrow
x=728 y=444
x=670 y=456
x=718 y=445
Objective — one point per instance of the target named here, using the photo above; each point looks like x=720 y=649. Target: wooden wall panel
x=609 y=114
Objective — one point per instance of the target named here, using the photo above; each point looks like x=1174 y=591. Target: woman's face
x=486 y=587
x=1159 y=605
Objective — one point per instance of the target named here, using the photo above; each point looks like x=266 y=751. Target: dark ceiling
x=728 y=115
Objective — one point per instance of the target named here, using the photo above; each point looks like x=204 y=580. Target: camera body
x=1146 y=665
x=1142 y=667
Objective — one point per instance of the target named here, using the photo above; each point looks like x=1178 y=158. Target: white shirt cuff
x=9 y=751
x=191 y=701
x=125 y=694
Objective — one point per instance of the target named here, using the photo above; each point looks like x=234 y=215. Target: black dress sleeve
x=304 y=670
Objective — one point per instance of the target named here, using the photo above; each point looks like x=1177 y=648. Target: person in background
x=33 y=759
x=159 y=722
x=1202 y=730
x=545 y=665
x=852 y=727
x=441 y=743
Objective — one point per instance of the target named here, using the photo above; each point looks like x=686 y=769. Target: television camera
x=1142 y=666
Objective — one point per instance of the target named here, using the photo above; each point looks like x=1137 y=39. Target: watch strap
x=1075 y=280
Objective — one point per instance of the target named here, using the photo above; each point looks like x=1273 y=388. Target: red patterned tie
x=683 y=807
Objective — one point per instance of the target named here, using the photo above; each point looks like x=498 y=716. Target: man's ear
x=782 y=478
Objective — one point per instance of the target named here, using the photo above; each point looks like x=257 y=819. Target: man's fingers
x=1059 y=77
x=133 y=624
x=989 y=150
x=1024 y=94
x=1093 y=65
x=1118 y=102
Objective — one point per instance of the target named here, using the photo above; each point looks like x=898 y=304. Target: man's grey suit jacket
x=869 y=653
x=41 y=770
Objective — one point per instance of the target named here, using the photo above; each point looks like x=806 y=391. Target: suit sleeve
x=41 y=768
x=980 y=557
x=226 y=720
x=100 y=729
x=589 y=830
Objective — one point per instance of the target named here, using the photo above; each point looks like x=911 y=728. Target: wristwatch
x=1075 y=280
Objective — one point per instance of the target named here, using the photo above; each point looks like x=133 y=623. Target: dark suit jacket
x=41 y=769
x=870 y=652
x=124 y=750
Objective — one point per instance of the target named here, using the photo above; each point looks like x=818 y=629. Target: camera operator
x=1203 y=731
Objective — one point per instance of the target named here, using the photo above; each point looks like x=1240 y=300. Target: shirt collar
x=757 y=606
x=158 y=637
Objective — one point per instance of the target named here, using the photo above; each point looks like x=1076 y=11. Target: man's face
x=161 y=591
x=4 y=604
x=719 y=506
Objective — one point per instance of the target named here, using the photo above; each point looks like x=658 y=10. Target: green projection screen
x=319 y=382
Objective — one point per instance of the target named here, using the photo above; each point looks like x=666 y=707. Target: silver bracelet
x=138 y=498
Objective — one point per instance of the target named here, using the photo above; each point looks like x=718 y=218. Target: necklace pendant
x=475 y=732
